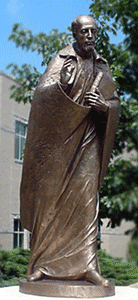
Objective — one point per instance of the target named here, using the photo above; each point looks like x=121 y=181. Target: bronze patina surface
x=70 y=138
x=69 y=289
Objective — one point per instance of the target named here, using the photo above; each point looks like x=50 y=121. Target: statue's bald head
x=84 y=30
x=79 y=21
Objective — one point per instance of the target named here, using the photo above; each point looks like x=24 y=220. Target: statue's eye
x=94 y=31
x=84 y=30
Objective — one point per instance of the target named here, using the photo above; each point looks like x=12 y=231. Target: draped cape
x=65 y=141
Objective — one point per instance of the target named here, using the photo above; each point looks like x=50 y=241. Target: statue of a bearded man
x=70 y=138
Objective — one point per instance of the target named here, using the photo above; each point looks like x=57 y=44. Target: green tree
x=112 y=15
x=119 y=194
x=47 y=46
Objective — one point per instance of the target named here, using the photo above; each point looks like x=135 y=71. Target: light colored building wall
x=10 y=169
x=114 y=240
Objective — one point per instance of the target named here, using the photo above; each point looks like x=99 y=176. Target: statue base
x=66 y=288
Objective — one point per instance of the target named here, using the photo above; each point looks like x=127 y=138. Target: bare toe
x=37 y=275
x=94 y=277
x=105 y=282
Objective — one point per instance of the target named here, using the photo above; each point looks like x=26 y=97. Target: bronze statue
x=71 y=131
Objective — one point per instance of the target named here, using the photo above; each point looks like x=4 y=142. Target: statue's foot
x=37 y=275
x=94 y=277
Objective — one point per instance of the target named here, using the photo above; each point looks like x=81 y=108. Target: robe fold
x=67 y=152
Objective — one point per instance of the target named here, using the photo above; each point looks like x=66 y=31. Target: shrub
x=13 y=266
x=121 y=273
x=133 y=251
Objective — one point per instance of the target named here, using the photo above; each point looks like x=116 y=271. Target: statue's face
x=86 y=34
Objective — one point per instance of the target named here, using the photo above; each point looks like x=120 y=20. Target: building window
x=20 y=135
x=18 y=234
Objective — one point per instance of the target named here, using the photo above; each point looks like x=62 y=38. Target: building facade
x=13 y=128
x=114 y=240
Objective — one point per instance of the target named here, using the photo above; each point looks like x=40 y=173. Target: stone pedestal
x=69 y=289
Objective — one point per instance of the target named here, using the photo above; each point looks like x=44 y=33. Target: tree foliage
x=47 y=46
x=112 y=15
x=119 y=194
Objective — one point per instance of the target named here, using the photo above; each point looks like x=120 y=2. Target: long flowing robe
x=67 y=152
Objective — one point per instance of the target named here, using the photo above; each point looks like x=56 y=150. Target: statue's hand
x=96 y=100
x=66 y=71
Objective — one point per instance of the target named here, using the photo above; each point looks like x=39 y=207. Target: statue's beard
x=85 y=49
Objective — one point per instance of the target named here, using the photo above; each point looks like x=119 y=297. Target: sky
x=38 y=16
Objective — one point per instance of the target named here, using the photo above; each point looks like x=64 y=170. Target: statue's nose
x=89 y=33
